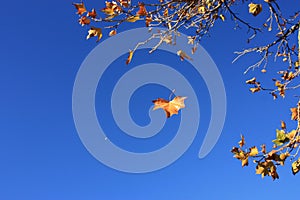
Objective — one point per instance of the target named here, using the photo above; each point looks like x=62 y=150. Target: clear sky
x=42 y=156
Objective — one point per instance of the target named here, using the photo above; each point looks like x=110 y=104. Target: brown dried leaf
x=170 y=107
x=255 y=9
x=242 y=141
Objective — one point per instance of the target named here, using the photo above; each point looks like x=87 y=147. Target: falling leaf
x=84 y=21
x=170 y=107
x=132 y=18
x=93 y=32
x=142 y=11
x=92 y=14
x=129 y=57
x=183 y=55
x=80 y=8
x=112 y=33
x=255 y=9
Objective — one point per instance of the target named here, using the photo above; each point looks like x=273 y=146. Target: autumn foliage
x=201 y=16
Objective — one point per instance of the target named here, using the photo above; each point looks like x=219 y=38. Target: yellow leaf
x=133 y=18
x=296 y=166
x=253 y=151
x=255 y=9
x=129 y=57
x=94 y=32
x=222 y=17
x=245 y=161
x=201 y=10
x=166 y=12
x=256 y=89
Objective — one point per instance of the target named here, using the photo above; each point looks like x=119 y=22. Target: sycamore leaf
x=108 y=11
x=251 y=81
x=129 y=58
x=125 y=3
x=255 y=9
x=142 y=11
x=291 y=134
x=296 y=166
x=92 y=14
x=183 y=55
x=256 y=89
x=111 y=9
x=245 y=161
x=84 y=21
x=132 y=18
x=80 y=8
x=281 y=138
x=170 y=107
x=148 y=20
x=294 y=113
x=253 y=151
x=112 y=33
x=93 y=32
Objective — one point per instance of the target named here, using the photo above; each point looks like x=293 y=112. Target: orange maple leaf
x=80 y=8
x=170 y=107
x=142 y=11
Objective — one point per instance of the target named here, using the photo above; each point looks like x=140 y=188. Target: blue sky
x=42 y=48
